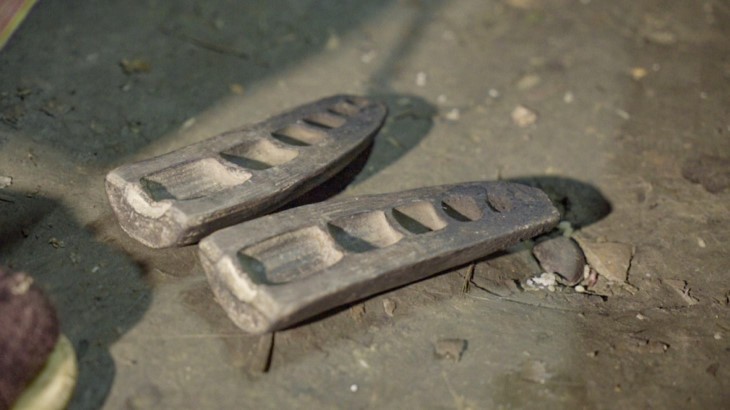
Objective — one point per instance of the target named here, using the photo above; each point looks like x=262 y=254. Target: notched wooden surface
x=292 y=265
x=179 y=197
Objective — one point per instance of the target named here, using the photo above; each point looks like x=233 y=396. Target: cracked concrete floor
x=627 y=96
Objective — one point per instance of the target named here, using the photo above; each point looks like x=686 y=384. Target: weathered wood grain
x=278 y=270
x=179 y=197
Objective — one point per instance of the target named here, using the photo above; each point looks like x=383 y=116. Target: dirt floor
x=625 y=121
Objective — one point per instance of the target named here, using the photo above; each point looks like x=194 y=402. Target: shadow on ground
x=409 y=120
x=98 y=291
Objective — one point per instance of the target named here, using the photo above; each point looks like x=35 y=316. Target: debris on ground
x=637 y=73
x=641 y=345
x=13 y=115
x=566 y=228
x=135 y=66
x=535 y=371
x=451 y=349
x=453 y=115
x=546 y=280
x=682 y=288
x=563 y=256
x=610 y=259
x=56 y=243
x=528 y=81
x=358 y=312
x=713 y=173
x=523 y=116
x=661 y=37
x=421 y=79
x=55 y=108
x=237 y=89
x=5 y=181
x=389 y=306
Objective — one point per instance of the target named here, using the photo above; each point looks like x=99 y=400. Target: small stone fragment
x=453 y=115
x=54 y=108
x=713 y=173
x=563 y=256
x=637 y=73
x=5 y=182
x=701 y=242
x=389 y=307
x=237 y=89
x=528 y=81
x=683 y=289
x=610 y=259
x=56 y=243
x=451 y=349
x=134 y=66
x=421 y=79
x=546 y=280
x=333 y=42
x=566 y=228
x=358 y=312
x=661 y=37
x=523 y=116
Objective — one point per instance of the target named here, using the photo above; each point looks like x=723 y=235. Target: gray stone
x=563 y=256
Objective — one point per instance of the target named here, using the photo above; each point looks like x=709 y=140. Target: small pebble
x=421 y=79
x=188 y=123
x=451 y=349
x=354 y=388
x=701 y=243
x=623 y=114
x=640 y=316
x=237 y=89
x=493 y=93
x=333 y=42
x=563 y=256
x=568 y=97
x=453 y=115
x=717 y=336
x=5 y=182
x=637 y=73
x=523 y=116
x=368 y=57
x=528 y=81
x=389 y=307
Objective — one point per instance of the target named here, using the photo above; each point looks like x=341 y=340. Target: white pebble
x=421 y=79
x=368 y=57
x=701 y=242
x=568 y=98
x=188 y=123
x=718 y=336
x=5 y=182
x=493 y=93
x=353 y=388
x=580 y=289
x=453 y=115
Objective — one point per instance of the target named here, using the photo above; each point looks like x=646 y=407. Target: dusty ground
x=629 y=95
